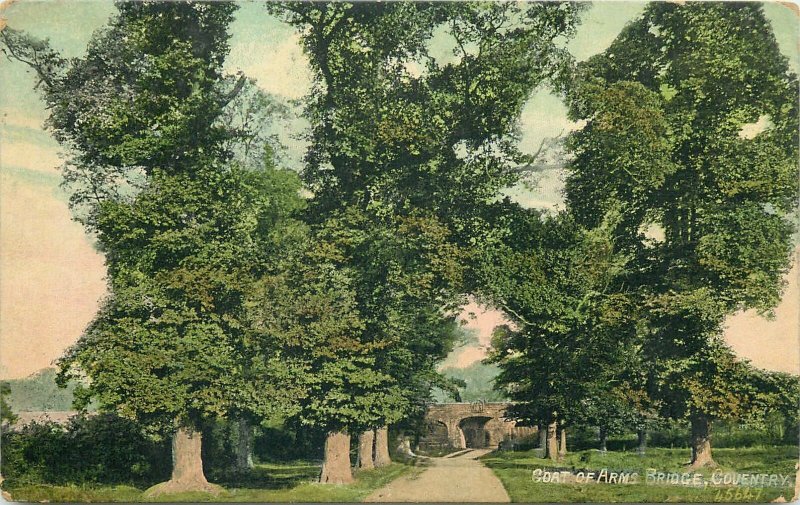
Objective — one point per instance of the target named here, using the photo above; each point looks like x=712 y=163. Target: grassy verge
x=291 y=482
x=515 y=470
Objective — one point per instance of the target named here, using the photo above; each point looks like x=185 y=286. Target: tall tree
x=171 y=346
x=690 y=143
x=572 y=322
x=399 y=138
x=147 y=95
x=396 y=129
x=618 y=400
x=310 y=305
x=185 y=230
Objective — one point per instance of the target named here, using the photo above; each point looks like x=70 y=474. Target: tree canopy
x=671 y=152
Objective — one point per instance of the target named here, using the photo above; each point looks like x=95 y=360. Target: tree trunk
x=701 y=442
x=551 y=449
x=603 y=439
x=336 y=466
x=404 y=448
x=366 y=442
x=642 y=437
x=562 y=442
x=543 y=438
x=382 y=457
x=187 y=466
x=244 y=448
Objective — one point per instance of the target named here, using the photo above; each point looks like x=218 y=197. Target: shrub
x=95 y=449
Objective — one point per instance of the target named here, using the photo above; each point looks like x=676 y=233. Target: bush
x=219 y=449
x=98 y=449
x=288 y=442
x=275 y=442
x=775 y=430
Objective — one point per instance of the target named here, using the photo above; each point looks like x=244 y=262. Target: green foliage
x=153 y=126
x=182 y=258
x=148 y=94
x=288 y=441
x=6 y=415
x=623 y=156
x=95 y=449
x=404 y=164
x=406 y=279
x=309 y=306
x=172 y=170
x=571 y=324
x=388 y=138
x=476 y=383
x=665 y=149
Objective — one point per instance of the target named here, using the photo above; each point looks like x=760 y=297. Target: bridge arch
x=475 y=434
x=469 y=425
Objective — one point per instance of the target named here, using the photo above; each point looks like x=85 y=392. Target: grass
x=515 y=471
x=293 y=481
x=273 y=482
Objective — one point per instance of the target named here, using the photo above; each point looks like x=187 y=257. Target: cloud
x=481 y=321
x=544 y=191
x=751 y=130
x=543 y=116
x=281 y=69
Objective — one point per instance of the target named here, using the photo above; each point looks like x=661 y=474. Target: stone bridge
x=470 y=425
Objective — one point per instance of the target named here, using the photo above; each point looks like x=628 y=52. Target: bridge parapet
x=474 y=424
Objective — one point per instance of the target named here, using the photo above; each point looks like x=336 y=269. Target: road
x=454 y=478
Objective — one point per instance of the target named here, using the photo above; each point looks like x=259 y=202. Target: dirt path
x=461 y=478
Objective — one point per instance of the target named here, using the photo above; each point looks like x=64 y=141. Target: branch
x=542 y=143
x=541 y=167
x=536 y=167
x=226 y=99
x=27 y=50
x=514 y=313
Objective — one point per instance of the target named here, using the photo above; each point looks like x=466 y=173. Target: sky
x=51 y=278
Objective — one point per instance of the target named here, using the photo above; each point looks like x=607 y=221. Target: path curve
x=458 y=478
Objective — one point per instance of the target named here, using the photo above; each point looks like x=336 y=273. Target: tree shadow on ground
x=272 y=475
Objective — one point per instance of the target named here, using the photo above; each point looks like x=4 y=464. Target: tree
x=171 y=346
x=572 y=321
x=672 y=147
x=148 y=94
x=399 y=138
x=395 y=129
x=618 y=399
x=310 y=305
x=6 y=415
x=185 y=230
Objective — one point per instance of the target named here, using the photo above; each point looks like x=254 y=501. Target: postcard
x=407 y=251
